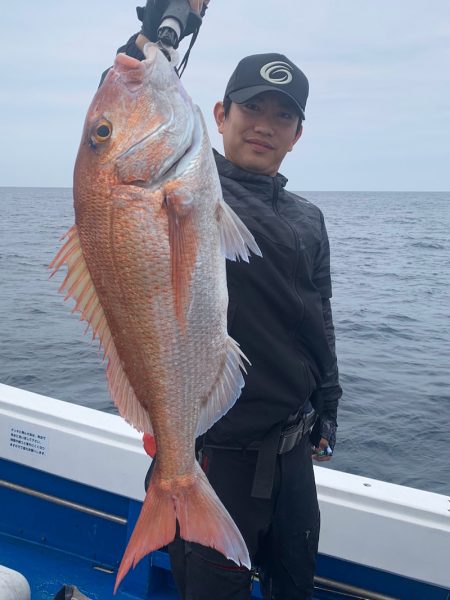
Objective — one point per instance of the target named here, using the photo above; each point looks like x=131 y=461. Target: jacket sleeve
x=325 y=398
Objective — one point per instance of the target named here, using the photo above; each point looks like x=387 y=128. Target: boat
x=72 y=485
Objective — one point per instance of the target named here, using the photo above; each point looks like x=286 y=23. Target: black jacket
x=279 y=308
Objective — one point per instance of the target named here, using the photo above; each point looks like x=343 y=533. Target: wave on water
x=391 y=305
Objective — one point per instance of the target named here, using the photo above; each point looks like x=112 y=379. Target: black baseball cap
x=268 y=72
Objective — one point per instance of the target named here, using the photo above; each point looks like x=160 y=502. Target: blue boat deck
x=47 y=570
x=56 y=532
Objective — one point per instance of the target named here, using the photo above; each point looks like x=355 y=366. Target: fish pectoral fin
x=183 y=241
x=235 y=239
x=78 y=284
x=226 y=388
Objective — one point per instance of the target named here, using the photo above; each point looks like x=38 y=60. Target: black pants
x=282 y=533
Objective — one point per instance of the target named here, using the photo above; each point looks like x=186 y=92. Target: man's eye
x=251 y=106
x=286 y=115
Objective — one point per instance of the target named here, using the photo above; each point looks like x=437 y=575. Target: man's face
x=258 y=134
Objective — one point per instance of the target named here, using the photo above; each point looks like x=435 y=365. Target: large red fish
x=146 y=267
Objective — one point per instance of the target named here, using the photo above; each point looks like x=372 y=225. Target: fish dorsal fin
x=78 y=285
x=226 y=389
x=183 y=241
x=235 y=239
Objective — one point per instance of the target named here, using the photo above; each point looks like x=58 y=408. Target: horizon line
x=64 y=187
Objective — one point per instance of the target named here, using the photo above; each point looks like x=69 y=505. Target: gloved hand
x=323 y=436
x=185 y=12
x=151 y=15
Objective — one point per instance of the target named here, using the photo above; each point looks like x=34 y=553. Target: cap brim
x=241 y=96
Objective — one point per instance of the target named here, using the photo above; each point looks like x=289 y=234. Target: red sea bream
x=146 y=268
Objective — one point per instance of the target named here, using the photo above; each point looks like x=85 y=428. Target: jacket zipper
x=275 y=197
x=276 y=193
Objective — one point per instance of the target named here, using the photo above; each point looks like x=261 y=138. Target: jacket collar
x=229 y=169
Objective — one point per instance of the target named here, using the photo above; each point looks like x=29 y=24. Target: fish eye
x=101 y=132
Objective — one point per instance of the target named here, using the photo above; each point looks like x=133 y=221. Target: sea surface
x=391 y=304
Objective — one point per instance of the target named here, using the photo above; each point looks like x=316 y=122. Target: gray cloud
x=377 y=117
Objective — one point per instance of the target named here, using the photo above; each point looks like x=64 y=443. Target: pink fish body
x=146 y=268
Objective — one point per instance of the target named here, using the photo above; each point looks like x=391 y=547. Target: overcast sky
x=378 y=115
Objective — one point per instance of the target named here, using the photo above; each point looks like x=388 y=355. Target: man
x=258 y=456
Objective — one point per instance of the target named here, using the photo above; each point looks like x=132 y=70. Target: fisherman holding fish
x=258 y=456
x=146 y=267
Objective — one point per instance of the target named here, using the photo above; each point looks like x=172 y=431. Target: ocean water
x=391 y=304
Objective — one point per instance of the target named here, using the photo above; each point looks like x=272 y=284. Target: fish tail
x=201 y=516
x=204 y=519
x=155 y=528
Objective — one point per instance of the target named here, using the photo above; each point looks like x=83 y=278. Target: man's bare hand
x=323 y=445
x=197 y=5
x=140 y=42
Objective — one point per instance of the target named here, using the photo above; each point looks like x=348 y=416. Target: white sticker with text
x=23 y=439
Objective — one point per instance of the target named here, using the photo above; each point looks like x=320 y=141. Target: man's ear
x=298 y=135
x=219 y=115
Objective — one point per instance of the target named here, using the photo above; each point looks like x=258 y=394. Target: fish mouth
x=131 y=71
x=126 y=63
x=158 y=154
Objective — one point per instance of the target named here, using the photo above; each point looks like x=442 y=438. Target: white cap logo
x=277 y=72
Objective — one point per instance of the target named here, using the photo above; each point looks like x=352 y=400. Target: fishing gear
x=167 y=22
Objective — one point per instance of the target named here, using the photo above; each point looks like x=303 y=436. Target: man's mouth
x=261 y=144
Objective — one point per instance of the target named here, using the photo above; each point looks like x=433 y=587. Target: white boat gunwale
x=415 y=523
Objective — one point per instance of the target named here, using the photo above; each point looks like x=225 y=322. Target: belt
x=279 y=440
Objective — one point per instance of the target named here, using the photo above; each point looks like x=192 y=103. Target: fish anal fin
x=236 y=241
x=78 y=284
x=226 y=389
x=183 y=241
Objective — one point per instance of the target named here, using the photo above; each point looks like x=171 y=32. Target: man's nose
x=264 y=127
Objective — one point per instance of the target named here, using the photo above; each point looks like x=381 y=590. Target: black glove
x=151 y=15
x=156 y=11
x=324 y=428
x=328 y=431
